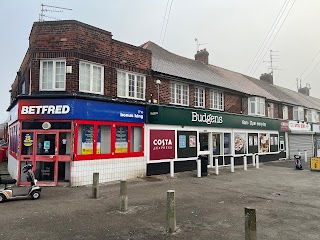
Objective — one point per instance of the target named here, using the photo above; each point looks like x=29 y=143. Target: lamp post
x=158 y=82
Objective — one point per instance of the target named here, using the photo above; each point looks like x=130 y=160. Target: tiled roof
x=169 y=63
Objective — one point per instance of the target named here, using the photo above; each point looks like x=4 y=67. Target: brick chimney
x=202 y=56
x=305 y=91
x=267 y=77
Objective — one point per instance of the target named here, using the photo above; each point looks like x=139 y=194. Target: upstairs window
x=199 y=97
x=256 y=106
x=131 y=85
x=270 y=110
x=298 y=113
x=52 y=75
x=179 y=94
x=216 y=100
x=312 y=116
x=91 y=78
x=285 y=114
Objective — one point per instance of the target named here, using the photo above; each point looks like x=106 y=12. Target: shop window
x=179 y=94
x=64 y=143
x=14 y=139
x=240 y=144
x=216 y=143
x=91 y=78
x=104 y=139
x=285 y=113
x=45 y=171
x=136 y=139
x=52 y=75
x=274 y=142
x=85 y=139
x=204 y=141
x=46 y=144
x=264 y=140
x=312 y=116
x=199 y=97
x=131 y=85
x=27 y=143
x=227 y=143
x=121 y=143
x=216 y=100
x=270 y=110
x=298 y=113
x=256 y=106
x=187 y=144
x=253 y=142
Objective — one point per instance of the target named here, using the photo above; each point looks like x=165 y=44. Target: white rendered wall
x=108 y=169
x=13 y=166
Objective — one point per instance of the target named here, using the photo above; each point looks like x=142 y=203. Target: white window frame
x=285 y=113
x=23 y=87
x=91 y=77
x=300 y=113
x=184 y=96
x=270 y=110
x=126 y=95
x=53 y=74
x=216 y=100
x=312 y=116
x=199 y=97
x=259 y=103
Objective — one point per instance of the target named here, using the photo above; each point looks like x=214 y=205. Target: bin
x=1 y=155
x=204 y=165
x=5 y=153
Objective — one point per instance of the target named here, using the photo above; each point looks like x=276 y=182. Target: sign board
x=162 y=144
x=315 y=164
x=299 y=126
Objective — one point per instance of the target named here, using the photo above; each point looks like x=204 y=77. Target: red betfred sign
x=162 y=144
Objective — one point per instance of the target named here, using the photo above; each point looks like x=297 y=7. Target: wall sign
x=79 y=109
x=162 y=144
x=299 y=126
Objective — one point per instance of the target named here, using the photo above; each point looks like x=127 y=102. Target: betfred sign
x=45 y=109
x=162 y=144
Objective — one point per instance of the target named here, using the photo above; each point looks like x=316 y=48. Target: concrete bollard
x=123 y=196
x=257 y=161
x=216 y=164
x=95 y=185
x=171 y=211
x=253 y=159
x=211 y=162
x=245 y=164
x=250 y=224
x=171 y=168
x=199 y=167
x=305 y=156
x=232 y=164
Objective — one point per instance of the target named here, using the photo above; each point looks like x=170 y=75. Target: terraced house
x=83 y=102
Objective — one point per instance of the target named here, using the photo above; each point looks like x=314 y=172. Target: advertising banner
x=121 y=139
x=162 y=144
x=87 y=139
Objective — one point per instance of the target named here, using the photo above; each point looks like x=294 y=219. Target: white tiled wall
x=13 y=166
x=108 y=169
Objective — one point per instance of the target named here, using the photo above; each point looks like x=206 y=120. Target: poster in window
x=192 y=141
x=226 y=143
x=275 y=140
x=27 y=139
x=264 y=143
x=255 y=140
x=87 y=139
x=182 y=141
x=121 y=139
x=271 y=140
x=240 y=143
x=250 y=140
x=162 y=144
x=99 y=140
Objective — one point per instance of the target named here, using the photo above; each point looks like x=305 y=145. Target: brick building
x=83 y=102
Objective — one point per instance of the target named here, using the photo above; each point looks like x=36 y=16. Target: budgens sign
x=206 y=118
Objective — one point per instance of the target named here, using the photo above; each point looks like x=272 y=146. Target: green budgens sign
x=172 y=115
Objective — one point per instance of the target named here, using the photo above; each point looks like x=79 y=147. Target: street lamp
x=158 y=82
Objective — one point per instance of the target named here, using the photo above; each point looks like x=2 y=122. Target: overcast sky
x=234 y=30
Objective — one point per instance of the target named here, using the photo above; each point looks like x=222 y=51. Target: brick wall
x=290 y=113
x=232 y=103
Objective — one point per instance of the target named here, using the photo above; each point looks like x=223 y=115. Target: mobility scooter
x=32 y=192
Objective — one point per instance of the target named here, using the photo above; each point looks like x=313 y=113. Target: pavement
x=212 y=207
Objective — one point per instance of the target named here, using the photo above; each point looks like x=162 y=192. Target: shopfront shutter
x=300 y=142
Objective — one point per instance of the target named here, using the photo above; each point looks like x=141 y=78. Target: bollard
x=199 y=167
x=257 y=161
x=95 y=185
x=253 y=159
x=299 y=153
x=171 y=211
x=216 y=164
x=171 y=168
x=245 y=164
x=123 y=196
x=232 y=164
x=305 y=156
x=211 y=162
x=250 y=224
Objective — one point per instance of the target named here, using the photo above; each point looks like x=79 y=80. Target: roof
x=171 y=64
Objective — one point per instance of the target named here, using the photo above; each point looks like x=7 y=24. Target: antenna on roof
x=273 y=58
x=48 y=8
x=199 y=44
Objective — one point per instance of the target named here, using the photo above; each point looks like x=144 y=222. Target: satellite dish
x=46 y=125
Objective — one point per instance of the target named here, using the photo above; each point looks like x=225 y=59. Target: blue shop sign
x=80 y=109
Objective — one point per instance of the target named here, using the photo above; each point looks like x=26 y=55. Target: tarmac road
x=287 y=203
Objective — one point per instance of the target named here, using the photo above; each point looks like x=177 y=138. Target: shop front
x=182 y=134
x=68 y=139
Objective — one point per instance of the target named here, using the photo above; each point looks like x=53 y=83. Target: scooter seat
x=9 y=181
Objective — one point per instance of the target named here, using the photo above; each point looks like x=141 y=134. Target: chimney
x=202 y=56
x=305 y=91
x=267 y=77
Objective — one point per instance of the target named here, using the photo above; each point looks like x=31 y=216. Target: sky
x=232 y=31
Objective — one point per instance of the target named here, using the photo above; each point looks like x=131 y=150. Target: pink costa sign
x=162 y=144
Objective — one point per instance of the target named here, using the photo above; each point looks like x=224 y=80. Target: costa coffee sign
x=162 y=144
x=299 y=126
